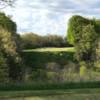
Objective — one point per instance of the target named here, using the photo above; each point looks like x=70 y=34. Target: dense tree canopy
x=9 y=47
x=82 y=33
x=85 y=48
x=31 y=40
x=75 y=26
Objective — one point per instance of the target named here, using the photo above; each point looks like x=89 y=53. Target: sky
x=50 y=16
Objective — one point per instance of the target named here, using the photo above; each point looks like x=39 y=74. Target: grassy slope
x=51 y=49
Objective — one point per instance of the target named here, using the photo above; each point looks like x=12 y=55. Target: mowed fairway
x=66 y=49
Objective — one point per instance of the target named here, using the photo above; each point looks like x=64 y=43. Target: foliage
x=86 y=46
x=97 y=26
x=9 y=46
x=55 y=41
x=82 y=34
x=31 y=40
x=75 y=26
x=37 y=59
x=7 y=23
x=47 y=63
x=98 y=53
x=41 y=63
x=83 y=69
x=4 y=70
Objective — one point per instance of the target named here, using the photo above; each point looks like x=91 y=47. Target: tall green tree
x=82 y=34
x=9 y=46
x=86 y=46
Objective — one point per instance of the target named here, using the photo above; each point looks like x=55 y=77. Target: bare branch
x=5 y=3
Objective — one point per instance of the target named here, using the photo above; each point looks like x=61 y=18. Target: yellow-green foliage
x=9 y=47
x=83 y=34
x=75 y=26
x=83 y=71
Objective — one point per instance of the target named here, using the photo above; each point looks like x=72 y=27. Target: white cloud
x=50 y=16
x=86 y=2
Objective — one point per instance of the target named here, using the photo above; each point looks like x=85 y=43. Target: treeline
x=31 y=40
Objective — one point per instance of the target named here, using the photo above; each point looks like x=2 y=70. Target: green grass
x=43 y=93
x=47 y=86
x=72 y=90
x=51 y=49
x=48 y=89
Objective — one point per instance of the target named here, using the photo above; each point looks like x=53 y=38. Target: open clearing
x=70 y=49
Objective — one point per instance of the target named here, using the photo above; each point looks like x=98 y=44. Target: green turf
x=51 y=49
x=48 y=92
x=48 y=86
